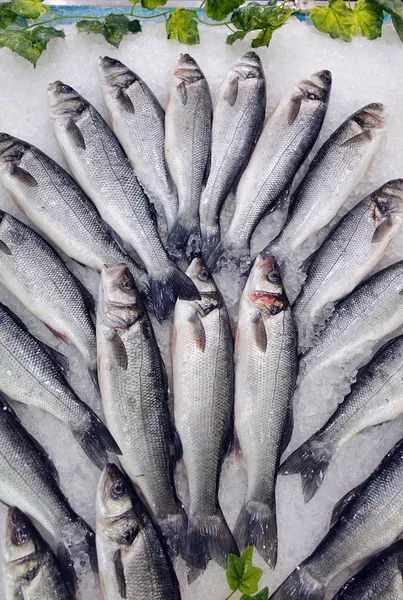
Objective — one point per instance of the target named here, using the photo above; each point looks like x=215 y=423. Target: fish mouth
x=269 y=303
x=52 y=87
x=322 y=78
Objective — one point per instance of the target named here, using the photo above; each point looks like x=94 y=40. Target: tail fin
x=169 y=285
x=78 y=541
x=184 y=239
x=257 y=525
x=208 y=538
x=210 y=240
x=300 y=585
x=311 y=461
x=141 y=280
x=174 y=530
x=94 y=378
x=94 y=438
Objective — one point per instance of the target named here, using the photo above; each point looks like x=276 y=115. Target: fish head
x=264 y=288
x=115 y=503
x=11 y=149
x=22 y=545
x=187 y=70
x=248 y=66
x=119 y=301
x=210 y=297
x=388 y=199
x=12 y=234
x=115 y=74
x=371 y=116
x=313 y=91
x=64 y=101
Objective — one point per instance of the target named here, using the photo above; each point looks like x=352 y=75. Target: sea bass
x=134 y=391
x=336 y=170
x=132 y=562
x=349 y=255
x=203 y=381
x=30 y=568
x=32 y=271
x=102 y=169
x=367 y=519
x=237 y=123
x=138 y=121
x=187 y=149
x=265 y=376
x=57 y=206
x=287 y=138
x=32 y=373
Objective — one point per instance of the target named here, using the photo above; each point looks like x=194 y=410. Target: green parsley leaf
x=369 y=17
x=86 y=26
x=263 y=595
x=113 y=28
x=241 y=574
x=29 y=44
x=7 y=15
x=395 y=9
x=337 y=19
x=237 y=35
x=220 y=9
x=150 y=4
x=29 y=9
x=254 y=17
x=182 y=26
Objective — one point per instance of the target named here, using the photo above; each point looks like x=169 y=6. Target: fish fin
x=67 y=569
x=23 y=176
x=307 y=262
x=119 y=351
x=199 y=333
x=169 y=285
x=183 y=93
x=183 y=239
x=124 y=101
x=95 y=439
x=75 y=134
x=300 y=585
x=383 y=229
x=116 y=238
x=295 y=107
x=45 y=455
x=311 y=461
x=259 y=332
x=231 y=93
x=60 y=359
x=89 y=299
x=208 y=537
x=94 y=378
x=344 y=502
x=281 y=201
x=257 y=525
x=210 y=238
x=13 y=316
x=4 y=248
x=120 y=573
x=288 y=429
x=358 y=139
x=174 y=529
x=177 y=444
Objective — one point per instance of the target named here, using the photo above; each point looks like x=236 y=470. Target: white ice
x=363 y=72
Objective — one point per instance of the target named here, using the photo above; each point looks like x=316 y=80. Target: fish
x=265 y=376
x=32 y=270
x=187 y=149
x=366 y=520
x=138 y=121
x=349 y=254
x=29 y=481
x=337 y=168
x=56 y=205
x=100 y=166
x=203 y=384
x=133 y=563
x=33 y=374
x=31 y=569
x=134 y=390
x=376 y=397
x=286 y=140
x=238 y=119
x=381 y=579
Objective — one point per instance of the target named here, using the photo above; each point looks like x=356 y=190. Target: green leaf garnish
x=182 y=26
x=151 y=4
x=29 y=44
x=338 y=20
x=220 y=9
x=395 y=9
x=255 y=17
x=369 y=17
x=263 y=595
x=241 y=574
x=113 y=28
x=7 y=15
x=29 y=9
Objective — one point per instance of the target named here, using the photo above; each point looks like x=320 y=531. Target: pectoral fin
x=75 y=134
x=383 y=229
x=182 y=92
x=231 y=93
x=119 y=351
x=259 y=332
x=4 y=248
x=357 y=140
x=120 y=573
x=23 y=176
x=124 y=101
x=295 y=106
x=199 y=332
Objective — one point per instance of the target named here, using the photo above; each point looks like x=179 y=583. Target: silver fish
x=375 y=398
x=237 y=123
x=29 y=480
x=203 y=381
x=381 y=579
x=265 y=377
x=336 y=170
x=138 y=121
x=134 y=392
x=32 y=373
x=349 y=254
x=32 y=271
x=287 y=138
x=187 y=148
x=55 y=204
x=31 y=570
x=132 y=562
x=367 y=519
x=102 y=169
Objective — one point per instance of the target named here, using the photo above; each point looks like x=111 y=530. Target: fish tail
x=257 y=525
x=210 y=240
x=169 y=285
x=94 y=378
x=174 y=529
x=311 y=461
x=300 y=585
x=141 y=280
x=184 y=239
x=95 y=439
x=78 y=540
x=208 y=537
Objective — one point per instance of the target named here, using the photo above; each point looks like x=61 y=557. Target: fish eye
x=313 y=96
x=20 y=536
x=118 y=489
x=204 y=275
x=126 y=285
x=274 y=277
x=66 y=89
x=115 y=63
